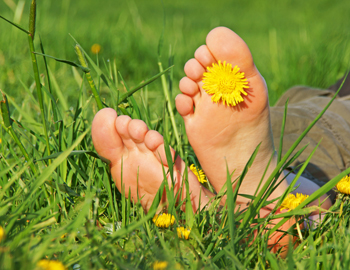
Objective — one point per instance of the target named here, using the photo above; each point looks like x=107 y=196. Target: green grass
x=292 y=42
x=66 y=206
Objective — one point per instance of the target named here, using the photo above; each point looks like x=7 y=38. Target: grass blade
x=123 y=97
x=279 y=156
x=70 y=63
x=15 y=25
x=230 y=202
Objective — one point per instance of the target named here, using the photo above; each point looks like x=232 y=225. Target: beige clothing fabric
x=333 y=154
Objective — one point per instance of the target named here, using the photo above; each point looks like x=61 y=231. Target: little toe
x=204 y=56
x=194 y=70
x=184 y=105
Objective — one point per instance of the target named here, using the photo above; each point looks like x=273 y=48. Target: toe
x=104 y=135
x=137 y=130
x=153 y=140
x=204 y=56
x=155 y=143
x=188 y=87
x=226 y=45
x=194 y=70
x=184 y=105
x=122 y=124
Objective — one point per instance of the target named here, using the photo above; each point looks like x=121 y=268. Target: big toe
x=104 y=135
x=226 y=45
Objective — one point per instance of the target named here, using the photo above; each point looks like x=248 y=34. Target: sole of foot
x=137 y=156
x=225 y=136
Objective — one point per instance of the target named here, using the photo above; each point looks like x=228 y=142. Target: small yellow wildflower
x=160 y=265
x=178 y=266
x=199 y=173
x=96 y=48
x=50 y=265
x=344 y=185
x=292 y=201
x=2 y=233
x=225 y=84
x=163 y=220
x=183 y=233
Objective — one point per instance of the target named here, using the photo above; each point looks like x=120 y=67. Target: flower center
x=227 y=85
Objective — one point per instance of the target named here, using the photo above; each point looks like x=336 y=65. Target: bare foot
x=136 y=156
x=220 y=134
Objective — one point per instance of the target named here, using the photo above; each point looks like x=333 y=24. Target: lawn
x=57 y=198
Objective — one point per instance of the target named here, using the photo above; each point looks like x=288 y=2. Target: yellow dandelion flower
x=344 y=185
x=225 y=84
x=178 y=266
x=163 y=220
x=183 y=233
x=50 y=265
x=96 y=48
x=2 y=233
x=199 y=173
x=292 y=201
x=160 y=265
